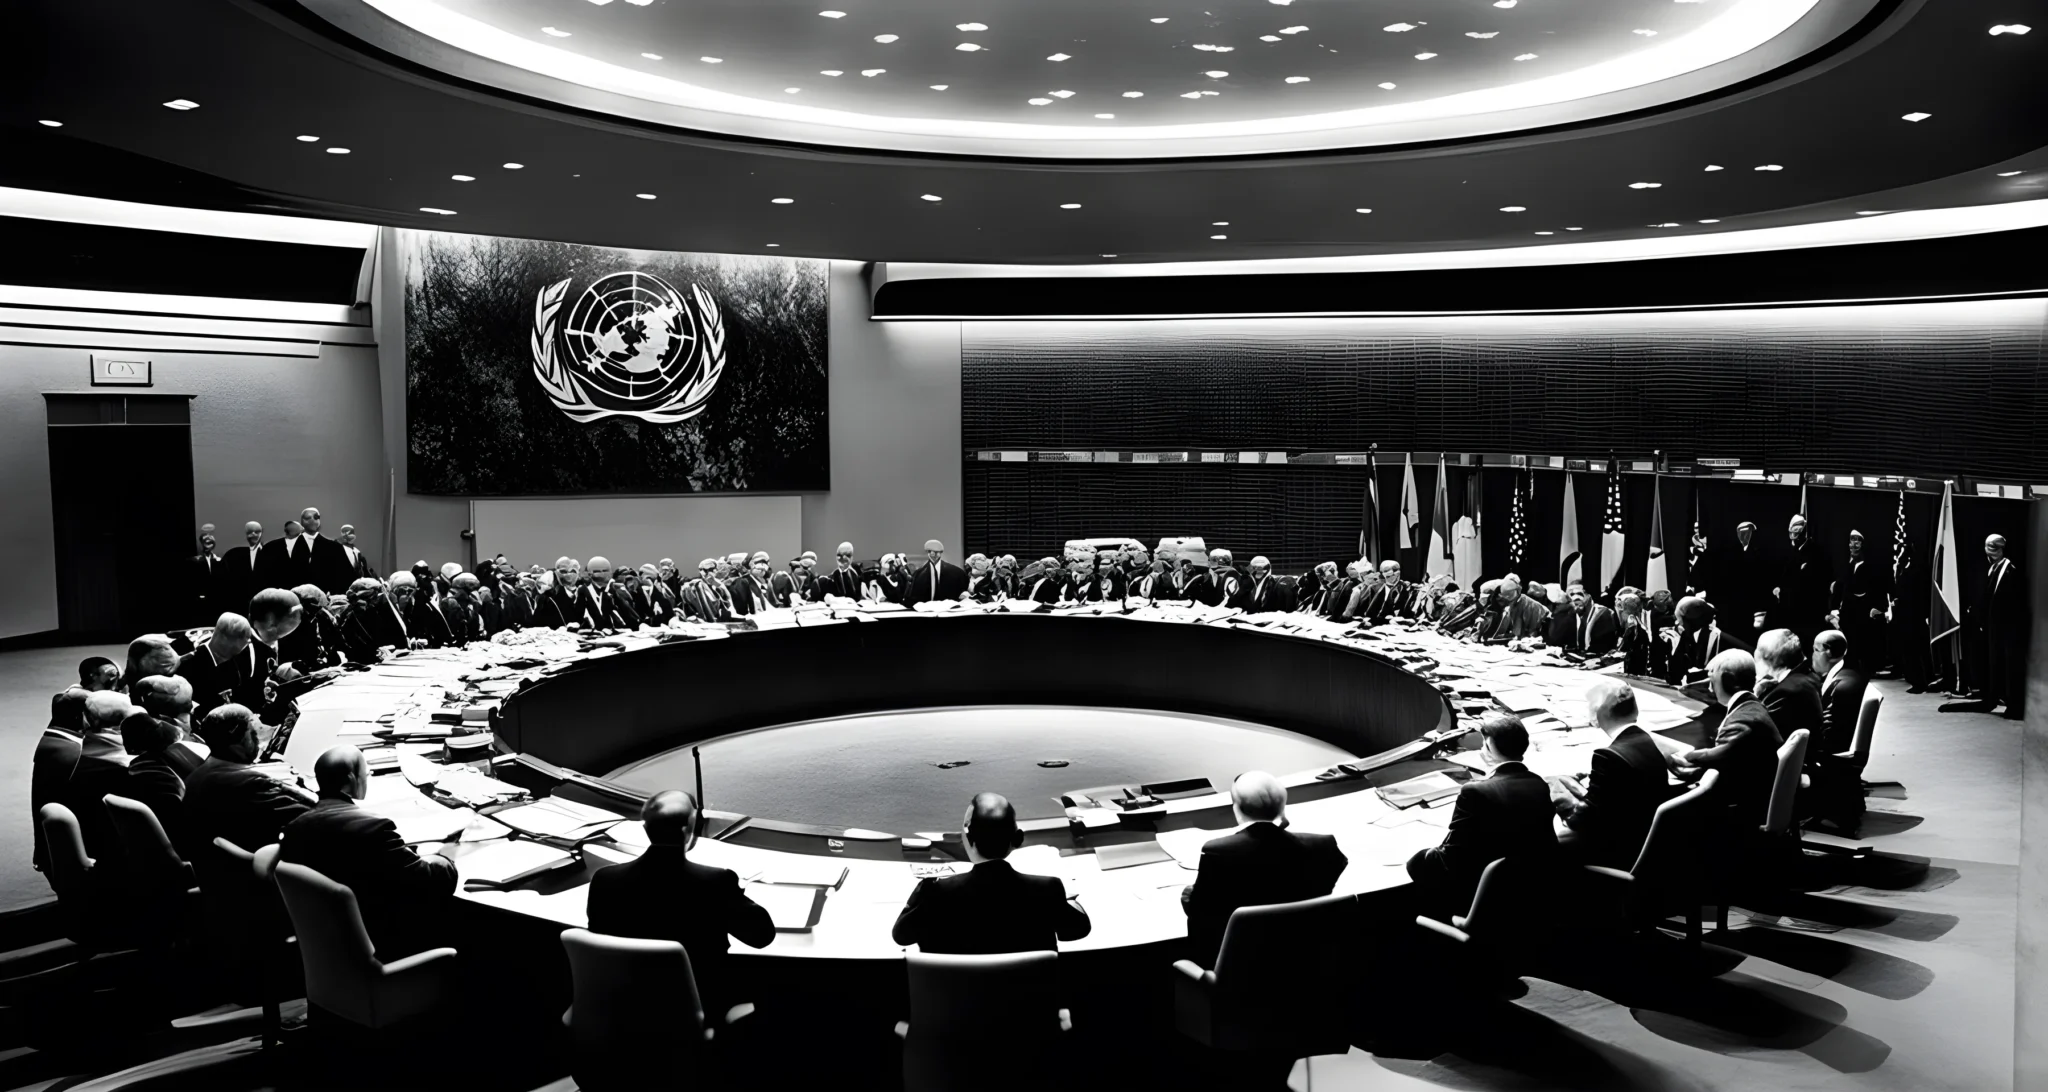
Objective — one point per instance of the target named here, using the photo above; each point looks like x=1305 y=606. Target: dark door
x=121 y=505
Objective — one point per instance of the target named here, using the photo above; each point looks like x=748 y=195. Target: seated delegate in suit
x=890 y=582
x=56 y=753
x=1312 y=591
x=1043 y=581
x=992 y=907
x=377 y=618
x=1789 y=692
x=1460 y=612
x=228 y=797
x=149 y=654
x=652 y=599
x=1595 y=630
x=1836 y=797
x=844 y=581
x=461 y=611
x=1261 y=864
x=983 y=586
x=1609 y=812
x=1349 y=601
x=1745 y=748
x=938 y=580
x=1507 y=813
x=168 y=699
x=750 y=591
x=706 y=598
x=402 y=895
x=1218 y=585
x=1103 y=583
x=1699 y=640
x=157 y=752
x=102 y=769
x=274 y=614
x=1521 y=616
x=219 y=668
x=1263 y=592
x=663 y=895
x=1396 y=598
x=316 y=643
x=560 y=605
x=1642 y=650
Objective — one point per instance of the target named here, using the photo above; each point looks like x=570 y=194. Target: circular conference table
x=568 y=723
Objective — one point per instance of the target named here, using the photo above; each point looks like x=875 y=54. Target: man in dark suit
x=402 y=895
x=1699 y=640
x=1836 y=795
x=606 y=600
x=1804 y=585
x=358 y=562
x=102 y=769
x=461 y=611
x=562 y=604
x=375 y=620
x=663 y=895
x=752 y=591
x=938 y=580
x=1312 y=592
x=1218 y=585
x=168 y=700
x=331 y=566
x=1395 y=597
x=1263 y=592
x=1906 y=630
x=651 y=598
x=274 y=614
x=1745 y=748
x=844 y=579
x=235 y=576
x=316 y=643
x=424 y=621
x=1860 y=600
x=992 y=907
x=516 y=602
x=1521 y=616
x=1507 y=813
x=1996 y=625
x=157 y=767
x=218 y=669
x=1262 y=864
x=1609 y=812
x=1741 y=582
x=1790 y=694
x=228 y=797
x=705 y=599
x=983 y=585
x=56 y=753
x=1594 y=629
x=285 y=562
x=203 y=598
x=1102 y=583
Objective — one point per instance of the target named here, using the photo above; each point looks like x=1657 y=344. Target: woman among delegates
x=1103 y=583
x=1609 y=810
x=992 y=907
x=1507 y=813
x=401 y=894
x=1262 y=863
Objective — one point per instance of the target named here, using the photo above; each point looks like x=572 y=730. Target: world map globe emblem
x=633 y=345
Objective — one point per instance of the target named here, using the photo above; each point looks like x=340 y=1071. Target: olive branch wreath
x=566 y=391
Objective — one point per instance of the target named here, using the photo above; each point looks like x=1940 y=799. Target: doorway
x=121 y=508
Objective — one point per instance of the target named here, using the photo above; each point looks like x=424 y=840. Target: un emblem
x=632 y=346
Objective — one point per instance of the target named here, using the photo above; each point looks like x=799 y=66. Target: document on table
x=503 y=862
x=1186 y=844
x=555 y=817
x=802 y=871
x=792 y=909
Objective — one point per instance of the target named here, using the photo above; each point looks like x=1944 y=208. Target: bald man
x=1262 y=863
x=220 y=667
x=403 y=895
x=1745 y=747
x=937 y=580
x=663 y=895
x=1609 y=809
x=992 y=907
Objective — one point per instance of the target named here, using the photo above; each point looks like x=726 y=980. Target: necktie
x=935 y=580
x=1586 y=631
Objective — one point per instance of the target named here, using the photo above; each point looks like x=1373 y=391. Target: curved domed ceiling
x=1087 y=78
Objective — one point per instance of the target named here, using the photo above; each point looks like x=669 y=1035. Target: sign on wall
x=538 y=368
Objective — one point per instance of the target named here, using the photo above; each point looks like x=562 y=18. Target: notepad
x=1420 y=790
x=1128 y=856
x=501 y=864
x=792 y=909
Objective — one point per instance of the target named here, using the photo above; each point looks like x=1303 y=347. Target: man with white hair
x=844 y=579
x=1745 y=747
x=1790 y=693
x=219 y=668
x=665 y=571
x=1218 y=585
x=1609 y=809
x=1396 y=598
x=563 y=603
x=358 y=561
x=1997 y=622
x=1521 y=616
x=751 y=591
x=1261 y=864
x=1312 y=590
x=938 y=580
x=1262 y=593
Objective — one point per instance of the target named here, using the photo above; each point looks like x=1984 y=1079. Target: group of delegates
x=220 y=580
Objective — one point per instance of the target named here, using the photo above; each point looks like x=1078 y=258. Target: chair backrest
x=68 y=863
x=263 y=862
x=1269 y=949
x=635 y=1010
x=145 y=848
x=994 y=997
x=1516 y=899
x=233 y=852
x=1866 y=727
x=1670 y=848
x=340 y=962
x=1785 y=789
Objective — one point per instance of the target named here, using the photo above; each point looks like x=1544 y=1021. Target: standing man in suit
x=1861 y=598
x=1263 y=592
x=1742 y=584
x=938 y=580
x=285 y=562
x=1218 y=585
x=663 y=895
x=992 y=907
x=358 y=562
x=1906 y=621
x=236 y=581
x=751 y=591
x=1507 y=813
x=1997 y=624
x=203 y=576
x=1263 y=863
x=1609 y=813
x=332 y=567
x=402 y=895
x=1789 y=693
x=1804 y=585
x=1745 y=748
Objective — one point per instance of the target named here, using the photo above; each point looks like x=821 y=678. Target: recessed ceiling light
x=1668 y=224
x=782 y=200
x=1292 y=30
x=1219 y=223
x=463 y=177
x=1134 y=94
x=1917 y=115
x=968 y=47
x=2010 y=28
x=1060 y=57
x=1269 y=37
x=1770 y=167
x=1362 y=212
x=1219 y=236
x=1282 y=3
x=306 y=138
x=1398 y=28
x=871 y=72
x=1481 y=33
x=1215 y=73
x=2007 y=174
x=1161 y=19
x=940 y=86
x=1191 y=94
x=831 y=72
x=833 y=14
x=1424 y=56
x=1525 y=56
x=1297 y=79
x=1039 y=102
x=553 y=33
x=337 y=151
x=930 y=197
x=712 y=60
x=1871 y=212
x=1105 y=117
x=1710 y=221
x=1208 y=92
x=791 y=90
x=644 y=196
x=514 y=166
x=1514 y=208
x=1070 y=205
x=1645 y=185
x=885 y=39
x=182 y=104
x=1503 y=3
x=437 y=212
x=771 y=244
x=1386 y=87
x=1575 y=229
x=652 y=56
x=1715 y=167
x=1109 y=255
x=1062 y=94
x=600 y=3
x=970 y=27
x=60 y=125
x=1546 y=233
x=1644 y=33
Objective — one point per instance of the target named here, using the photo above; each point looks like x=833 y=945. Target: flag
x=1467 y=559
x=1613 y=539
x=1518 y=524
x=1944 y=613
x=1572 y=565
x=1369 y=523
x=1411 y=509
x=1802 y=495
x=1901 y=546
x=1659 y=576
x=1699 y=545
x=1438 y=561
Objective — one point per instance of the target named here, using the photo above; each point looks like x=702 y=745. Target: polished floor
x=914 y=770
x=1899 y=977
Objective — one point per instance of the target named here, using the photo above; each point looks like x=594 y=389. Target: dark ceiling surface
x=265 y=74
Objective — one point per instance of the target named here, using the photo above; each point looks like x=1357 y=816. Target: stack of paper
x=503 y=863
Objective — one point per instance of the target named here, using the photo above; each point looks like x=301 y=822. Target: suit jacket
x=1742 y=585
x=1695 y=649
x=157 y=782
x=1562 y=630
x=375 y=627
x=1216 y=588
x=1507 y=813
x=277 y=568
x=203 y=588
x=1629 y=779
x=1745 y=750
x=1391 y=602
x=990 y=908
x=748 y=595
x=1803 y=588
x=1337 y=597
x=843 y=583
x=1109 y=587
x=1257 y=866
x=1794 y=703
x=235 y=580
x=425 y=622
x=952 y=580
x=984 y=587
x=1841 y=703
x=56 y=758
x=783 y=590
x=662 y=895
x=1261 y=596
x=239 y=802
x=708 y=601
x=1999 y=609
x=559 y=607
x=396 y=889
x=465 y=620
x=653 y=603
x=102 y=770
x=214 y=684
x=1524 y=617
x=515 y=609
x=361 y=566
x=330 y=566
x=612 y=606
x=317 y=643
x=1596 y=631
x=1043 y=588
x=1865 y=587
